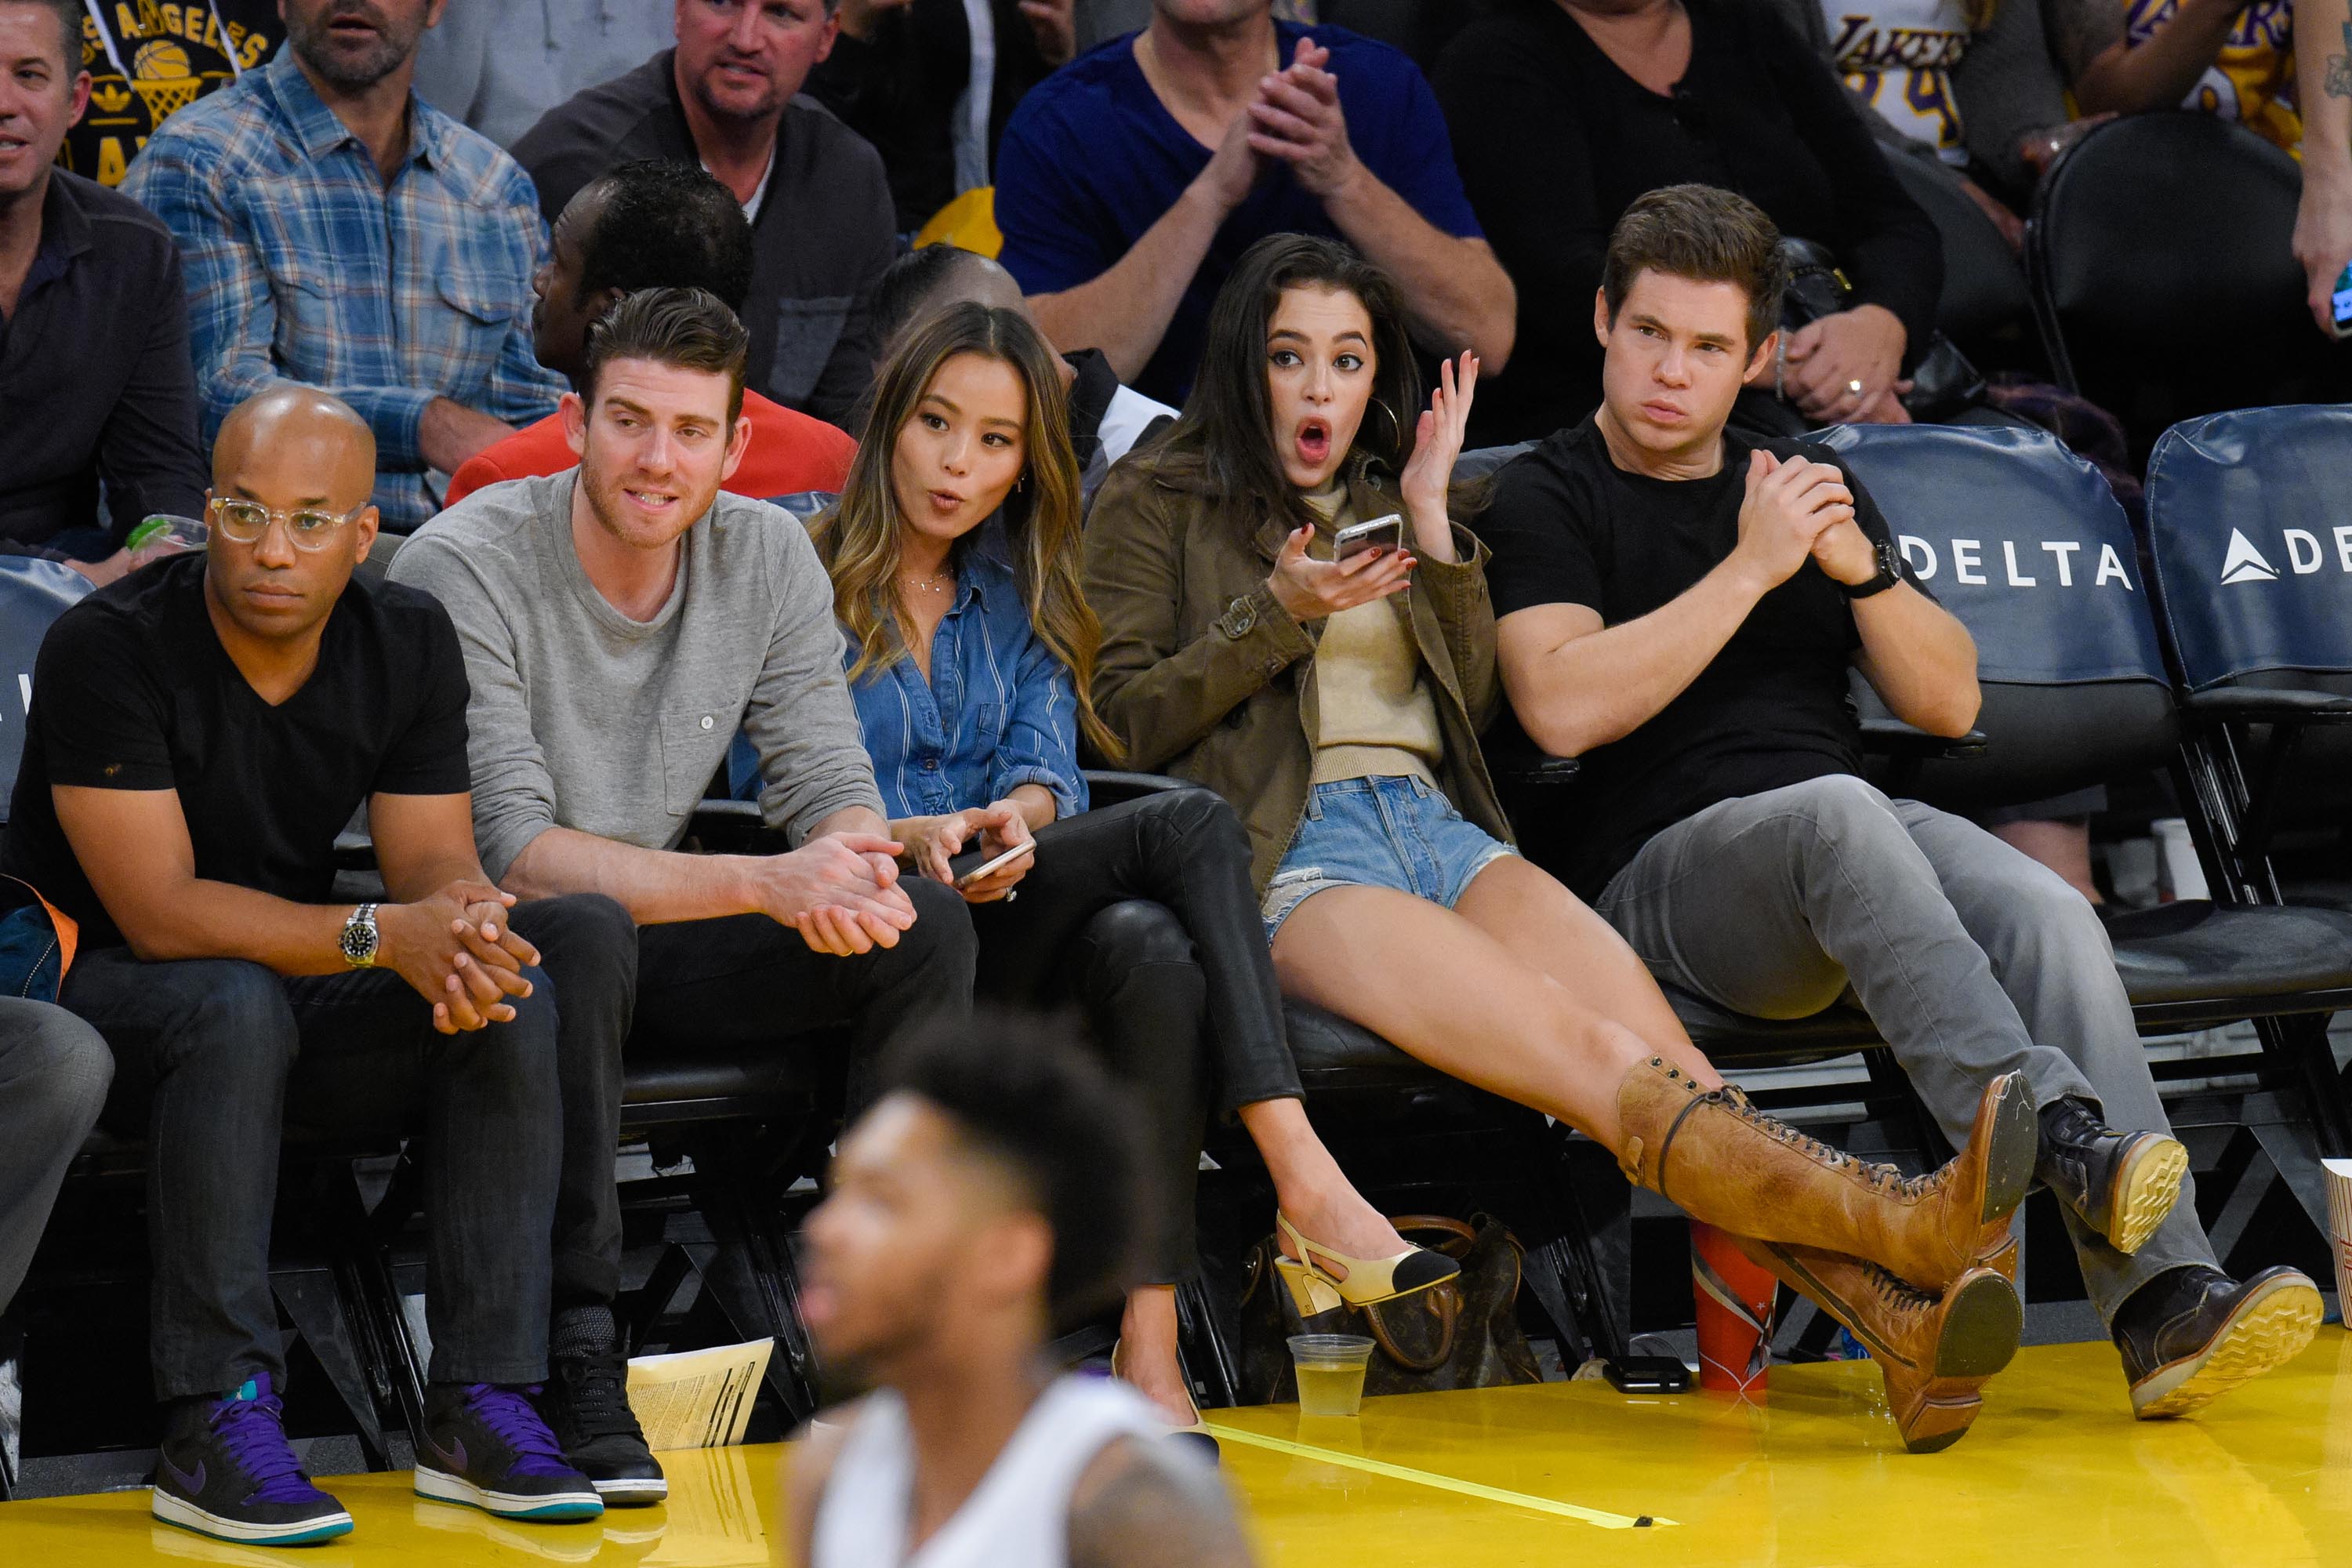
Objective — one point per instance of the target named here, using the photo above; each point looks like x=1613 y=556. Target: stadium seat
x=2157 y=249
x=2253 y=580
x=2025 y=543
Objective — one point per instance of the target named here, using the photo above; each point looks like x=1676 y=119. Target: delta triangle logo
x=2244 y=563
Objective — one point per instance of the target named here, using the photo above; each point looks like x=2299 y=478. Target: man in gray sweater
x=620 y=622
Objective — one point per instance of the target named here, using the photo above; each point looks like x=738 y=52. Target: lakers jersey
x=147 y=59
x=2253 y=79
x=1898 y=56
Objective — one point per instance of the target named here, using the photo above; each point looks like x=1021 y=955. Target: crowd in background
x=526 y=313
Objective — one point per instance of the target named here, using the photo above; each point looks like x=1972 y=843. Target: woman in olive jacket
x=1337 y=703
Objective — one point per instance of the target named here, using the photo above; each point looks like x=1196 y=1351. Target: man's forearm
x=2158 y=72
x=1458 y=294
x=1604 y=685
x=202 y=918
x=1919 y=658
x=2323 y=59
x=1125 y=310
x=655 y=886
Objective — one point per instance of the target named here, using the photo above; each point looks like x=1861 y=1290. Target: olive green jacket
x=1202 y=672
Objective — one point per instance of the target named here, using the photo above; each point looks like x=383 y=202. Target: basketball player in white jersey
x=990 y=1196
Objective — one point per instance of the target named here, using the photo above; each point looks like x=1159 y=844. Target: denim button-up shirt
x=303 y=266
x=999 y=710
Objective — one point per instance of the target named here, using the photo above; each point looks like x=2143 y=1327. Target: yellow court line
x=1432 y=1478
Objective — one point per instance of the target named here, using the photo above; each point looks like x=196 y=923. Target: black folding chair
x=2025 y=542
x=2159 y=252
x=2254 y=582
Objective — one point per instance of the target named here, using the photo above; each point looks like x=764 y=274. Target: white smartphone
x=1380 y=533
x=967 y=879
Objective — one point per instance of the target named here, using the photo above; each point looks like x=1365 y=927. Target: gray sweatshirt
x=582 y=718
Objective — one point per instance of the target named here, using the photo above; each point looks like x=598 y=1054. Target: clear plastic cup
x=177 y=534
x=1331 y=1370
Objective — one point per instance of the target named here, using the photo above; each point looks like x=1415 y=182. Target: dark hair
x=912 y=282
x=1223 y=442
x=69 y=17
x=1704 y=233
x=1021 y=1090
x=691 y=329
x=667 y=224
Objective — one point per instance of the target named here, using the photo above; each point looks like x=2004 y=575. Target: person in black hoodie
x=1562 y=111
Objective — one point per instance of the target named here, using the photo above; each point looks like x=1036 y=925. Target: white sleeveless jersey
x=1898 y=56
x=1019 y=1515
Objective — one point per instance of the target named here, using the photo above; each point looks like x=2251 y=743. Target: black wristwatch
x=1890 y=572
x=360 y=938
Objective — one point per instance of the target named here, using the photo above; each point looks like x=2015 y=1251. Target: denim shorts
x=1398 y=832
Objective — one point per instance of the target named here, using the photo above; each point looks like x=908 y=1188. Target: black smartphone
x=1380 y=533
x=1647 y=1374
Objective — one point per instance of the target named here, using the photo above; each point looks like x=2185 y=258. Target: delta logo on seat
x=2306 y=555
x=2062 y=563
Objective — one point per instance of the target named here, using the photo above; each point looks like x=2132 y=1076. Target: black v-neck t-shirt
x=1773 y=708
x=132 y=690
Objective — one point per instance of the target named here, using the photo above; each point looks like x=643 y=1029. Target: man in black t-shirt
x=199 y=734
x=1681 y=608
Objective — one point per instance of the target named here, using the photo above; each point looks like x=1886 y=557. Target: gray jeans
x=54 y=1069
x=1971 y=959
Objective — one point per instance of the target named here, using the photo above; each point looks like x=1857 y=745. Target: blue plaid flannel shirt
x=302 y=266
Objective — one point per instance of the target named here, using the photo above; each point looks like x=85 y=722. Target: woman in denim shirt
x=954 y=557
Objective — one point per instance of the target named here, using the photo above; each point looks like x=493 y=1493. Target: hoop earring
x=1396 y=426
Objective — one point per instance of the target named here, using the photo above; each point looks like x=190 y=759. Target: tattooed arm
x=1140 y=1507
x=2323 y=224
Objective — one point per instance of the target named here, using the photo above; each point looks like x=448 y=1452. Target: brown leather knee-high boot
x=1726 y=1162
x=1935 y=1352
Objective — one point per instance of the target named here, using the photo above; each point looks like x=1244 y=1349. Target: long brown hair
x=1223 y=444
x=859 y=536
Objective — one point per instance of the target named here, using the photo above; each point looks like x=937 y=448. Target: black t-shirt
x=1774 y=707
x=134 y=691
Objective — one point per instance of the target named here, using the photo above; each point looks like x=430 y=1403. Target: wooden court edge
x=1593 y=1516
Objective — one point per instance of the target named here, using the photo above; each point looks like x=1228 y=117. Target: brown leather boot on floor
x=1726 y=1162
x=1935 y=1352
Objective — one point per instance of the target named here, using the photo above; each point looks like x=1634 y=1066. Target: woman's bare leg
x=1148 y=1361
x=1311 y=1188
x=1550 y=929
x=1451 y=995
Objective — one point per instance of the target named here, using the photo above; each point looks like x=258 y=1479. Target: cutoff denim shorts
x=1398 y=832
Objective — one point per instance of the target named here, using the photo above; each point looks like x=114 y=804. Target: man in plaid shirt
x=337 y=230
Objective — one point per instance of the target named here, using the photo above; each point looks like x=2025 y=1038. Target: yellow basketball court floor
x=2056 y=1472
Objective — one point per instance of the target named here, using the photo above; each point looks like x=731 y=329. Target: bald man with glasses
x=199 y=734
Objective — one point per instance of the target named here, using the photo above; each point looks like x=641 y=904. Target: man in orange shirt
x=652 y=224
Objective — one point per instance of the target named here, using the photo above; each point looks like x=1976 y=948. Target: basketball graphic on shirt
x=161 y=74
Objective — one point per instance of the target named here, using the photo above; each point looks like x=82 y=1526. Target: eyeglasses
x=247 y=520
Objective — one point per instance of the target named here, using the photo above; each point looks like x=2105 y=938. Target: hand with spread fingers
x=1437 y=441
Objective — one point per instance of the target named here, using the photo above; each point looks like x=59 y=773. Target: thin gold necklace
x=938 y=582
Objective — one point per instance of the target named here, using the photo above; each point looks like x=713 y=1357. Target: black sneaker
x=587 y=1407
x=2193 y=1333
x=484 y=1446
x=2124 y=1185
x=225 y=1470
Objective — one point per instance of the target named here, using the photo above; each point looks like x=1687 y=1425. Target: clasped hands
x=1796 y=509
x=456 y=951
x=1296 y=117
